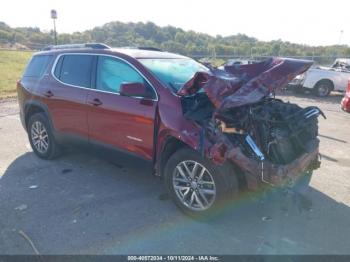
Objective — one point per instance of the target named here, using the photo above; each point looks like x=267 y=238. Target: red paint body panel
x=123 y=122
x=67 y=108
x=345 y=103
x=245 y=84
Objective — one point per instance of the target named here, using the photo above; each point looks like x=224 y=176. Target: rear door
x=121 y=121
x=66 y=95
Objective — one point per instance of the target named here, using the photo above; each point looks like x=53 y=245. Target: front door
x=120 y=121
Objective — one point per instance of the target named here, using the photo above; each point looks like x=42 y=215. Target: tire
x=41 y=138
x=323 y=88
x=202 y=194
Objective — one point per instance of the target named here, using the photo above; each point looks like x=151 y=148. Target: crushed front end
x=271 y=141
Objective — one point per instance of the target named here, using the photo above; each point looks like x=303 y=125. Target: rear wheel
x=41 y=138
x=323 y=88
x=197 y=186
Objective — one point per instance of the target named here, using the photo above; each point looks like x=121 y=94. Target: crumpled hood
x=245 y=84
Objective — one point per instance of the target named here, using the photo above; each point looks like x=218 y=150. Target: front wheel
x=197 y=186
x=323 y=88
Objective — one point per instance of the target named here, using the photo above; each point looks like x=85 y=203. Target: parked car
x=345 y=103
x=208 y=134
x=231 y=62
x=322 y=80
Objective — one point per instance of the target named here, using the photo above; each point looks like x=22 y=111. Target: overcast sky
x=299 y=21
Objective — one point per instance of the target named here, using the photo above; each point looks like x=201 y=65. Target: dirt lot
x=110 y=204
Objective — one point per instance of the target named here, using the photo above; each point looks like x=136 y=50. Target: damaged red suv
x=209 y=133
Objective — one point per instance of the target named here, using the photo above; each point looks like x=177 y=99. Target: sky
x=300 y=21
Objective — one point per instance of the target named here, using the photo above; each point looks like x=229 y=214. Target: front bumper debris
x=279 y=175
x=265 y=172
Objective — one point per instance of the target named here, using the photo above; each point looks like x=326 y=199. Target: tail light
x=348 y=90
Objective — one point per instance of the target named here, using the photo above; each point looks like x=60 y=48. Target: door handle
x=48 y=94
x=95 y=102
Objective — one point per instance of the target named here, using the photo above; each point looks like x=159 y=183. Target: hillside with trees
x=118 y=34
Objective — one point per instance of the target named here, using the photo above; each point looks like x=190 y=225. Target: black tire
x=224 y=178
x=323 y=88
x=53 y=149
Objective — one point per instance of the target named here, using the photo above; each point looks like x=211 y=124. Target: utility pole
x=54 y=17
x=340 y=36
x=339 y=43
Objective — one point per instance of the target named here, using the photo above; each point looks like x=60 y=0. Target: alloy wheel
x=194 y=185
x=40 y=137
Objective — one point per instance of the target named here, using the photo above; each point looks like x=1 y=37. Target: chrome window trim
x=102 y=91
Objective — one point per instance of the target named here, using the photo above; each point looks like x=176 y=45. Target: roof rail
x=150 y=48
x=73 y=46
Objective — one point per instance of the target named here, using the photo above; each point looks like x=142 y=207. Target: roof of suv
x=132 y=52
x=138 y=53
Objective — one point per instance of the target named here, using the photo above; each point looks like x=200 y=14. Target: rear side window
x=74 y=69
x=38 y=66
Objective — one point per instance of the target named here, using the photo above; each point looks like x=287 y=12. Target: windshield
x=173 y=72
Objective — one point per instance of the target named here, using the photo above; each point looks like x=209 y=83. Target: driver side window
x=111 y=73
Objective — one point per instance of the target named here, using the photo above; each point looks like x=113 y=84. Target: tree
x=171 y=39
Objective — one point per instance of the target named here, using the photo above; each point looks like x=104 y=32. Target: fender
x=36 y=103
x=177 y=140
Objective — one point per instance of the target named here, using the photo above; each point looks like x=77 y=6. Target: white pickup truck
x=323 y=80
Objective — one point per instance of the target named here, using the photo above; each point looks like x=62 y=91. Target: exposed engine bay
x=241 y=121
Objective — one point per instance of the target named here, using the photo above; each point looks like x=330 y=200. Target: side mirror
x=132 y=89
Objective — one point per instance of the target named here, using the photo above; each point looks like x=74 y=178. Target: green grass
x=12 y=64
